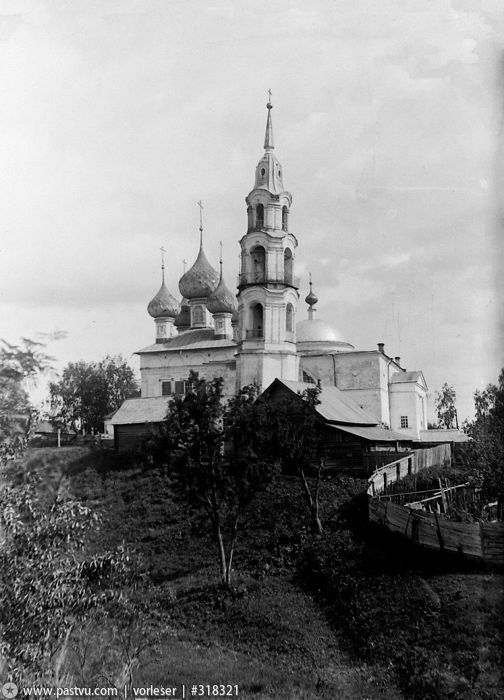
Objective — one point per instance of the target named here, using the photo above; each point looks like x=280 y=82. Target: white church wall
x=359 y=375
x=160 y=367
x=407 y=402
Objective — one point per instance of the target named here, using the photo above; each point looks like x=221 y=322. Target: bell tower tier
x=267 y=287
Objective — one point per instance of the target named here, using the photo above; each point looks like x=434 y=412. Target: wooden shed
x=352 y=439
x=135 y=420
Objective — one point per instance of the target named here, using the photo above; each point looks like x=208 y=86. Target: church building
x=255 y=335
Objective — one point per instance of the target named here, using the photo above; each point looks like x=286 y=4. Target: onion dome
x=311 y=299
x=163 y=304
x=221 y=300
x=201 y=279
x=183 y=320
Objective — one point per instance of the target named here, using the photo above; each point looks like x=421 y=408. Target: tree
x=446 y=409
x=215 y=458
x=47 y=582
x=88 y=391
x=18 y=364
x=484 y=454
x=296 y=441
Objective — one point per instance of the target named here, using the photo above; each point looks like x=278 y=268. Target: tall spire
x=268 y=138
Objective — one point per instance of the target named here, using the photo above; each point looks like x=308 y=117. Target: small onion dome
x=311 y=299
x=184 y=317
x=163 y=304
x=221 y=300
x=200 y=280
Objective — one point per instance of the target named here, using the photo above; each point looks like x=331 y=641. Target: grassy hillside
x=348 y=615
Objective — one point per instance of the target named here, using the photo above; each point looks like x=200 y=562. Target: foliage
x=214 y=453
x=446 y=409
x=484 y=454
x=48 y=585
x=295 y=440
x=18 y=364
x=88 y=391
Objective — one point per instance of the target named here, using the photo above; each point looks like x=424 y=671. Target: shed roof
x=373 y=433
x=334 y=406
x=148 y=410
x=195 y=339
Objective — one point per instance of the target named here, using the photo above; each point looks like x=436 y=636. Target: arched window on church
x=259 y=216
x=289 y=318
x=285 y=219
x=288 y=266
x=258 y=255
x=257 y=321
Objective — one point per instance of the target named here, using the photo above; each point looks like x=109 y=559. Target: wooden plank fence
x=478 y=540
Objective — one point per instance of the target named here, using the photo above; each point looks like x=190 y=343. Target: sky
x=117 y=116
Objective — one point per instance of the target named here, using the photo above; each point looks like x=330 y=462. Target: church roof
x=408 y=377
x=196 y=339
x=310 y=330
x=334 y=406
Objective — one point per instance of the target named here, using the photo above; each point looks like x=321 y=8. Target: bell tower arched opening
x=258 y=255
x=257 y=314
x=259 y=216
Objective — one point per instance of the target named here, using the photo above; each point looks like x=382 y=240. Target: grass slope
x=346 y=616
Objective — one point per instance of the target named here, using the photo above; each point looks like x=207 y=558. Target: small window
x=181 y=388
x=263 y=172
x=404 y=421
x=166 y=388
x=307 y=378
x=279 y=173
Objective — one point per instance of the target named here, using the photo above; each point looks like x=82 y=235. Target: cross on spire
x=163 y=251
x=184 y=263
x=200 y=205
x=269 y=96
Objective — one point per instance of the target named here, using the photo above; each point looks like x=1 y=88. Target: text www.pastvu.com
x=10 y=691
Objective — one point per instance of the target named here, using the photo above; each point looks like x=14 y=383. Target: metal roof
x=195 y=339
x=406 y=377
x=373 y=433
x=148 y=410
x=334 y=406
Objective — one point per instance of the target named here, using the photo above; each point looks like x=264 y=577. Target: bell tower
x=267 y=288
